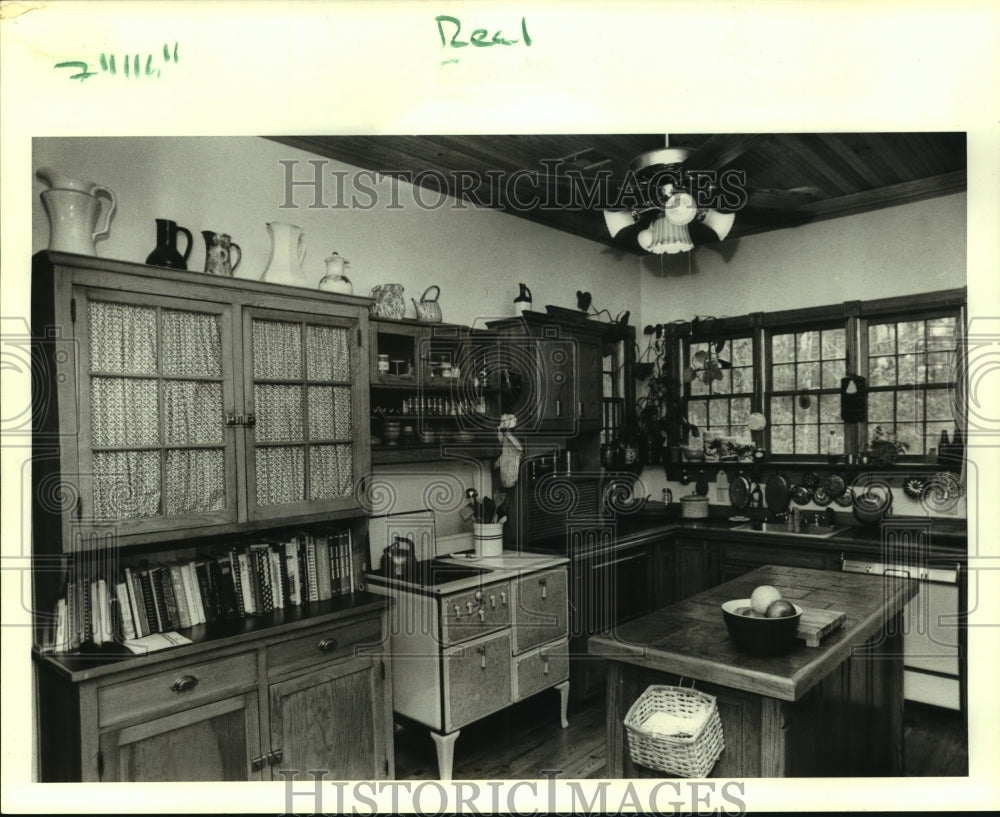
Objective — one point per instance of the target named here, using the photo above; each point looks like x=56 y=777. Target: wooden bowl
x=760 y=636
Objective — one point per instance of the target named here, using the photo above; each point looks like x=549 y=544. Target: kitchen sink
x=781 y=529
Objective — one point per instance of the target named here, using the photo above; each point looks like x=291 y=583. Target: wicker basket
x=676 y=730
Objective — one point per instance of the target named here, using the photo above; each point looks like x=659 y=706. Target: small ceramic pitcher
x=219 y=249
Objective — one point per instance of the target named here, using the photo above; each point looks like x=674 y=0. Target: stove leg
x=563 y=701
x=445 y=745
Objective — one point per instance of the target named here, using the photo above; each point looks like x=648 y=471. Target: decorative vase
x=335 y=280
x=288 y=250
x=73 y=208
x=389 y=301
x=219 y=249
x=166 y=254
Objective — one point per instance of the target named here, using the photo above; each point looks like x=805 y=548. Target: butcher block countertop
x=690 y=638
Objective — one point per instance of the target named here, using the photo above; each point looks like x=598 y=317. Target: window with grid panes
x=719 y=399
x=803 y=392
x=911 y=374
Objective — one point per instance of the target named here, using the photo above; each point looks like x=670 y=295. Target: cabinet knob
x=458 y=611
x=479 y=595
x=545 y=665
x=493 y=600
x=184 y=683
x=257 y=763
x=274 y=757
x=503 y=597
x=545 y=589
x=468 y=607
x=482 y=615
x=482 y=657
x=327 y=644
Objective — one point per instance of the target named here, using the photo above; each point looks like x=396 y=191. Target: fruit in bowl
x=766 y=630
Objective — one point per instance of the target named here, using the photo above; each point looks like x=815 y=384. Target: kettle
x=522 y=303
x=398 y=559
x=428 y=309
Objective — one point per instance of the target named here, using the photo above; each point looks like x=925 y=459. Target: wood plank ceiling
x=791 y=179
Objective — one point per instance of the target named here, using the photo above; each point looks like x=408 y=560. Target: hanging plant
x=660 y=408
x=707 y=366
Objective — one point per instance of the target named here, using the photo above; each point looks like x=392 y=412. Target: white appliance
x=932 y=629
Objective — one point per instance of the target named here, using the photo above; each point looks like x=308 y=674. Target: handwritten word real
x=480 y=37
x=131 y=65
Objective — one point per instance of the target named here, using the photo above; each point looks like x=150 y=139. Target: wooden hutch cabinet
x=172 y=409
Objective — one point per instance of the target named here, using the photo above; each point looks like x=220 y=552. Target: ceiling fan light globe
x=680 y=208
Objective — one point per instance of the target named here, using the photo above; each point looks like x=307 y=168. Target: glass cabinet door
x=300 y=382
x=154 y=389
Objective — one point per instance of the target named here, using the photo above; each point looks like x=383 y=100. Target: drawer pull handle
x=493 y=600
x=545 y=665
x=184 y=683
x=468 y=607
x=458 y=611
x=327 y=644
x=482 y=615
x=545 y=589
x=503 y=598
x=482 y=657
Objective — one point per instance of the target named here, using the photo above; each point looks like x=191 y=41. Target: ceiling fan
x=665 y=192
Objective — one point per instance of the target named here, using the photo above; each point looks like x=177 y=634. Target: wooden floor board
x=525 y=740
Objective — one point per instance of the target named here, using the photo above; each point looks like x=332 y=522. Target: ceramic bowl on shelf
x=757 y=635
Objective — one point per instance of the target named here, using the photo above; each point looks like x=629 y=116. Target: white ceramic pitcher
x=74 y=208
x=288 y=250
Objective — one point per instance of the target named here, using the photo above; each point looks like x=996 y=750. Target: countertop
x=690 y=638
x=946 y=538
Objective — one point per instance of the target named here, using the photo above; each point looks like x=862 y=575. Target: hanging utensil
x=776 y=493
x=473 y=496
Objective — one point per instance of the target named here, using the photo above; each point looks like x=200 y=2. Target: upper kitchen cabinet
x=432 y=385
x=169 y=403
x=553 y=372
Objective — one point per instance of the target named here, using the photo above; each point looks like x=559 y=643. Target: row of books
x=159 y=598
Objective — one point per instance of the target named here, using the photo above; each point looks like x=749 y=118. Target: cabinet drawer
x=477 y=679
x=540 y=611
x=175 y=689
x=321 y=645
x=540 y=668
x=474 y=612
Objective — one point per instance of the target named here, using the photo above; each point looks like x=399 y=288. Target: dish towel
x=510 y=453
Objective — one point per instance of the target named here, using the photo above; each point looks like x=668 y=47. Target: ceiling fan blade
x=721 y=149
x=720 y=223
x=618 y=220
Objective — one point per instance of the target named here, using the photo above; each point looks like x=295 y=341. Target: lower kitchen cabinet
x=216 y=741
x=739 y=558
x=312 y=695
x=696 y=567
x=610 y=586
x=332 y=718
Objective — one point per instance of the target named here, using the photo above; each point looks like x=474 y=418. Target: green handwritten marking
x=131 y=64
x=84 y=73
x=480 y=37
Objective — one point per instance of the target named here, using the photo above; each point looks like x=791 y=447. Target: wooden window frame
x=855 y=317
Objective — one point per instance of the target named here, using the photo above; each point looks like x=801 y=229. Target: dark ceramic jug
x=166 y=254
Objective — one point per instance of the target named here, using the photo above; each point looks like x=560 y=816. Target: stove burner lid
x=432 y=572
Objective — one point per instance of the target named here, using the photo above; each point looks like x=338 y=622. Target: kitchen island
x=831 y=710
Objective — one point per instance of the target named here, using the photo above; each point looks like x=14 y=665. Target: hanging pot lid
x=800 y=494
x=739 y=492
x=776 y=493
